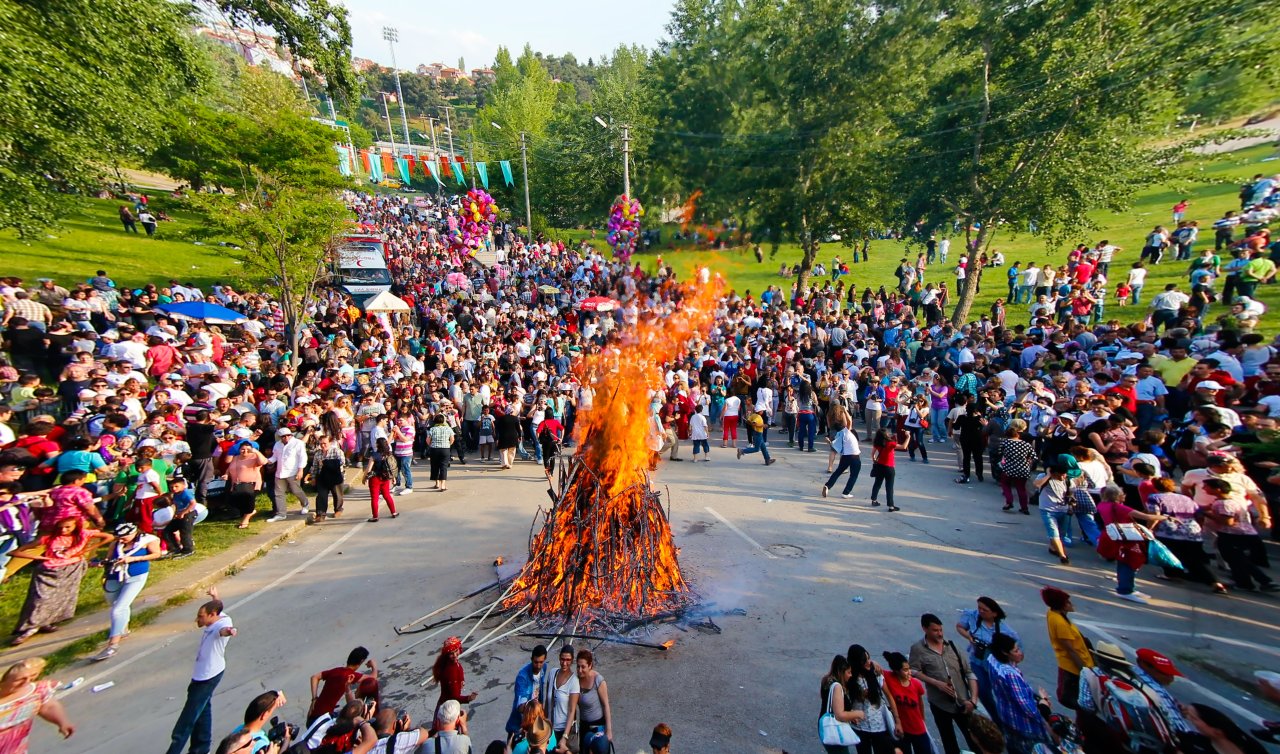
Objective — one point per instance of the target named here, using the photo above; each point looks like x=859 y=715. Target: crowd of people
x=123 y=426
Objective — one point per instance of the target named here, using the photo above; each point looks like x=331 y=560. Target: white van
x=361 y=268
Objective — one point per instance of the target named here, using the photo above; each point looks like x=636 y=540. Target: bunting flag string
x=388 y=163
x=375 y=170
x=506 y=172
x=482 y=170
x=402 y=167
x=411 y=159
x=459 y=171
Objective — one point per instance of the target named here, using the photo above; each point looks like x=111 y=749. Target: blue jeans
x=1088 y=527
x=1134 y=293
x=938 y=424
x=758 y=445
x=702 y=445
x=120 y=597
x=404 y=472
x=854 y=465
x=195 y=722
x=1056 y=525
x=808 y=429
x=1124 y=578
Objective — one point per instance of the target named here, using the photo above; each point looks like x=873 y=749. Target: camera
x=281 y=730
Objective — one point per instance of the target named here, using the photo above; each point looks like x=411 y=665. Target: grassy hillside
x=1214 y=192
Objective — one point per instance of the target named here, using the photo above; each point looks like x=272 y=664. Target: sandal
x=21 y=638
x=395 y=515
x=243 y=526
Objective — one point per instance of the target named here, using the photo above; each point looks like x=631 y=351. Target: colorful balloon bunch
x=624 y=226
x=478 y=212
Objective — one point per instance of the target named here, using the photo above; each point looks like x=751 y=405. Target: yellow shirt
x=1171 y=371
x=1063 y=634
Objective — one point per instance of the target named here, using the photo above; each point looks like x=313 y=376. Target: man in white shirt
x=764 y=403
x=195 y=722
x=290 y=457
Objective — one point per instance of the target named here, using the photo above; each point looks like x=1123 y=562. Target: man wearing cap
x=290 y=458
x=1153 y=672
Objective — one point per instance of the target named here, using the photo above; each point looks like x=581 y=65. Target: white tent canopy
x=386 y=302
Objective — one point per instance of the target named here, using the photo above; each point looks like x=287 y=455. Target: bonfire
x=604 y=555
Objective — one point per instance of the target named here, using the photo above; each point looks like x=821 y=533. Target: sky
x=444 y=31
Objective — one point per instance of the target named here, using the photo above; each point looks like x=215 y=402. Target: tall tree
x=287 y=236
x=83 y=89
x=1039 y=113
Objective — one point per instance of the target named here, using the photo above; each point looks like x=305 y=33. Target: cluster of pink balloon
x=478 y=212
x=624 y=226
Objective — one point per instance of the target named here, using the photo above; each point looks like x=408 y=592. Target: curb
x=186 y=584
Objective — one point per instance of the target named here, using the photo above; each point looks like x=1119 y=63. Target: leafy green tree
x=1037 y=114
x=287 y=237
x=83 y=88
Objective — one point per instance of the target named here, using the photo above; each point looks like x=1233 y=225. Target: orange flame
x=606 y=547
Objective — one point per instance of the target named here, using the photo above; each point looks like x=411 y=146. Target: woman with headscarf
x=980 y=626
x=1070 y=648
x=448 y=672
x=22 y=699
x=55 y=584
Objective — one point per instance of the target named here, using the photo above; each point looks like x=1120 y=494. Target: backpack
x=382 y=467
x=1131 y=715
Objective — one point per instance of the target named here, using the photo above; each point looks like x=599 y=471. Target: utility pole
x=392 y=35
x=435 y=153
x=528 y=214
x=472 y=157
x=626 y=160
x=333 y=115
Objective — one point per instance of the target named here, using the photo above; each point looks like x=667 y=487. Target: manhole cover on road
x=786 y=551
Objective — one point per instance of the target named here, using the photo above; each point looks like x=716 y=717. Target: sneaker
x=875 y=503
x=770 y=462
x=1141 y=599
x=406 y=491
x=305 y=512
x=894 y=509
x=105 y=654
x=824 y=490
x=1068 y=542
x=847 y=496
x=274 y=519
x=739 y=453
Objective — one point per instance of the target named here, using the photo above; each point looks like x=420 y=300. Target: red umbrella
x=598 y=304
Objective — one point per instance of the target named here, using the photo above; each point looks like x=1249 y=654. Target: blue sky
x=444 y=31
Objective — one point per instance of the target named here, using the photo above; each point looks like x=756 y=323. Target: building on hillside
x=361 y=65
x=482 y=74
x=433 y=71
x=453 y=74
x=255 y=47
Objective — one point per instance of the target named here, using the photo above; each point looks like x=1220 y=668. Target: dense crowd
x=124 y=425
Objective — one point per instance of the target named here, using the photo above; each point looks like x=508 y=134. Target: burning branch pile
x=605 y=552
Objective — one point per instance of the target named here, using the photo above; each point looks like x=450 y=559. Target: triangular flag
x=506 y=172
x=482 y=170
x=459 y=174
x=434 y=169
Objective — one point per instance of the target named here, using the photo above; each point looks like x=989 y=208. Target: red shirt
x=335 y=682
x=910 y=701
x=884 y=456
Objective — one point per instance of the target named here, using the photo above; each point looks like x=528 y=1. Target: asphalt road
x=756 y=539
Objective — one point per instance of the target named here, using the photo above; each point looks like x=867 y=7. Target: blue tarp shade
x=201 y=311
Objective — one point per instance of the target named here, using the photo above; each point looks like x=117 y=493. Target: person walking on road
x=439 y=439
x=195 y=722
x=290 y=457
x=884 y=468
x=757 y=423
x=379 y=471
x=846 y=445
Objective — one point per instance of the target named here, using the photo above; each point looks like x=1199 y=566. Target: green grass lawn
x=1210 y=196
x=211 y=537
x=93 y=239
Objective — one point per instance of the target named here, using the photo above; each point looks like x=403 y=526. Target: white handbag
x=832 y=731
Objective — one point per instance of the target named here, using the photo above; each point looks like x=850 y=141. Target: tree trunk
x=964 y=298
